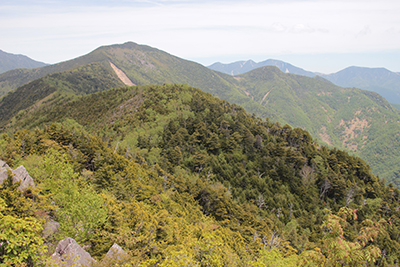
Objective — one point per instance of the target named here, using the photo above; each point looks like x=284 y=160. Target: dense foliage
x=178 y=177
x=359 y=121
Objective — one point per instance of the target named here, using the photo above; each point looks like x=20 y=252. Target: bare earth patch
x=265 y=96
x=350 y=129
x=121 y=75
x=325 y=136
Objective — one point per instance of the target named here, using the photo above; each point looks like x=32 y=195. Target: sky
x=316 y=35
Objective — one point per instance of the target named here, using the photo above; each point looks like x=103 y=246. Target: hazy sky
x=317 y=35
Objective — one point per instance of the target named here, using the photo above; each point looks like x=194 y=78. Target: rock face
x=3 y=171
x=20 y=175
x=3 y=165
x=3 y=175
x=69 y=253
x=116 y=252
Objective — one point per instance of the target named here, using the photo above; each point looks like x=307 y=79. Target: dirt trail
x=265 y=96
x=121 y=75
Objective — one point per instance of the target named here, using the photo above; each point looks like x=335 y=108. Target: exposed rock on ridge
x=20 y=175
x=69 y=253
x=116 y=253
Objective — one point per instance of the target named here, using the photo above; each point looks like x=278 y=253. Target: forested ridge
x=178 y=177
x=358 y=121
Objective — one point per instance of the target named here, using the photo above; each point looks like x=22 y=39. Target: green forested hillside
x=178 y=177
x=144 y=65
x=358 y=121
x=15 y=78
x=57 y=87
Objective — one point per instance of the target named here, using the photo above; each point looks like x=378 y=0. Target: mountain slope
x=54 y=87
x=174 y=173
x=241 y=67
x=359 y=121
x=379 y=80
x=16 y=78
x=10 y=61
x=145 y=65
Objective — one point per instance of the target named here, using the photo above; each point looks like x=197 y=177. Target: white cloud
x=278 y=27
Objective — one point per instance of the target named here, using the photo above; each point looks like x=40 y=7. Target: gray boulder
x=69 y=253
x=3 y=171
x=3 y=175
x=116 y=252
x=3 y=165
x=22 y=175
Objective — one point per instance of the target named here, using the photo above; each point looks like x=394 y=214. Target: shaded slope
x=16 y=78
x=83 y=80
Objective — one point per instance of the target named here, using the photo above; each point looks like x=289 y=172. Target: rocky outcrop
x=69 y=253
x=115 y=254
x=3 y=165
x=20 y=174
x=3 y=171
x=3 y=175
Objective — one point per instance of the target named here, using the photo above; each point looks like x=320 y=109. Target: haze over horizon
x=320 y=36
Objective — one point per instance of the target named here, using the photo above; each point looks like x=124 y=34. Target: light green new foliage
x=79 y=209
x=20 y=239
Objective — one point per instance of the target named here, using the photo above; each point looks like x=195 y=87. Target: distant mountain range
x=241 y=67
x=10 y=61
x=359 y=121
x=379 y=80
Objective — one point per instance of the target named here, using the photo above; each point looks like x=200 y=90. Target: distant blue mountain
x=379 y=80
x=10 y=61
x=241 y=67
